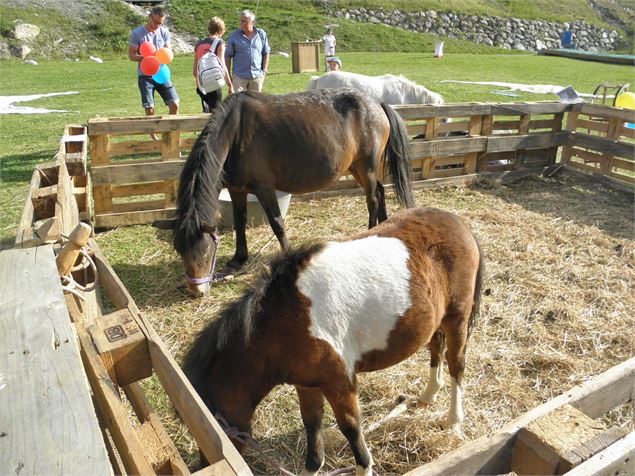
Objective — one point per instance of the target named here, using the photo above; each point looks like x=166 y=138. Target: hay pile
x=557 y=309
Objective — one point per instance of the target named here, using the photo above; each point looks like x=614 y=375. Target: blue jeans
x=147 y=86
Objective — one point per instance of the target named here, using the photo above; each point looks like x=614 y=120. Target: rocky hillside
x=68 y=29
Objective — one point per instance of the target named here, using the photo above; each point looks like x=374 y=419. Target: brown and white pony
x=327 y=311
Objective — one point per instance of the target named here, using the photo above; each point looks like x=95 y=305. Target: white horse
x=388 y=88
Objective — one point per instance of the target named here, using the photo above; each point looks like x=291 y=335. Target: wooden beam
x=491 y=454
x=47 y=420
x=113 y=220
x=120 y=174
x=147 y=124
x=213 y=442
x=616 y=460
x=603 y=145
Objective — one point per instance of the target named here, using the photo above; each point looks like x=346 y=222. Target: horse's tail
x=477 y=290
x=397 y=157
x=312 y=84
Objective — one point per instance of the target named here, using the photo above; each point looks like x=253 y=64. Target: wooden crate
x=305 y=56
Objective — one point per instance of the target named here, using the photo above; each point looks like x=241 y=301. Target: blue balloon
x=163 y=75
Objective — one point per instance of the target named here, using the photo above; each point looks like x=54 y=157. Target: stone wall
x=508 y=33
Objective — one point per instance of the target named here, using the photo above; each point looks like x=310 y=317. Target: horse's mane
x=238 y=321
x=423 y=94
x=201 y=181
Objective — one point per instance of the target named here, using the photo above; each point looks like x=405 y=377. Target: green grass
x=109 y=90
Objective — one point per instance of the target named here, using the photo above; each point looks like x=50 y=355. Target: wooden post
x=615 y=126
x=470 y=166
x=487 y=123
x=99 y=155
x=432 y=131
x=572 y=125
x=171 y=150
x=67 y=257
x=552 y=153
x=523 y=129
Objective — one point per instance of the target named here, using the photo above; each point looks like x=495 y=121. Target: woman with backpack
x=210 y=72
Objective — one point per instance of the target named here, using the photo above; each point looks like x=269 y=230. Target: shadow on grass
x=19 y=168
x=578 y=199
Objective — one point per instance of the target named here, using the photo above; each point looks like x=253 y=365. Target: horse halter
x=211 y=277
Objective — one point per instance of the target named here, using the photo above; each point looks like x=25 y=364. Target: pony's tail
x=477 y=291
x=397 y=157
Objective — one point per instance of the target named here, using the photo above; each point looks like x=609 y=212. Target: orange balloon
x=149 y=65
x=164 y=55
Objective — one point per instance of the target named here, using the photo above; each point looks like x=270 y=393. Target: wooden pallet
x=493 y=454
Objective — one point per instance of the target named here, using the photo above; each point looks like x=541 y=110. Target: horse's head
x=198 y=252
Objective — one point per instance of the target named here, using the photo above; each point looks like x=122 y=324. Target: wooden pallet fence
x=494 y=453
x=59 y=193
x=135 y=178
x=600 y=143
x=497 y=137
x=119 y=349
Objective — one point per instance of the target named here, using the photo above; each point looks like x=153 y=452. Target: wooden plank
x=107 y=395
x=624 y=177
x=169 y=461
x=113 y=220
x=119 y=336
x=453 y=172
x=212 y=440
x=135 y=147
x=604 y=145
x=426 y=111
x=530 y=141
x=547 y=123
x=99 y=156
x=476 y=124
x=607 y=112
x=43 y=200
x=47 y=419
x=66 y=206
x=626 y=132
x=491 y=454
x=73 y=149
x=147 y=124
x=559 y=441
x=446 y=147
x=133 y=173
x=25 y=236
x=555 y=128
x=515 y=109
x=139 y=206
x=135 y=189
x=593 y=125
x=622 y=164
x=586 y=155
x=170 y=150
x=616 y=460
x=572 y=125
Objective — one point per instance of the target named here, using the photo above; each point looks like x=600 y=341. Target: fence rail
x=135 y=180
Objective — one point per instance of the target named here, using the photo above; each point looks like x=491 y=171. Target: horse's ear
x=207 y=228
x=164 y=224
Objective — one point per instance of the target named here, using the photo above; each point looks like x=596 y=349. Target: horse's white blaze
x=358 y=289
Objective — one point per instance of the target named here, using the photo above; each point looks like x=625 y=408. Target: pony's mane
x=238 y=321
x=200 y=182
x=421 y=92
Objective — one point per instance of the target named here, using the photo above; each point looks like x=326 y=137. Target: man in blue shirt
x=249 y=48
x=156 y=33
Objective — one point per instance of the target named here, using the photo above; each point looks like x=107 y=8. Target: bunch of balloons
x=155 y=62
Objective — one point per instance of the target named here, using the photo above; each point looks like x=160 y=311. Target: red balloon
x=149 y=65
x=147 y=49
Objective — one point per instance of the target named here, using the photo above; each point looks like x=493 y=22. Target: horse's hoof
x=234 y=265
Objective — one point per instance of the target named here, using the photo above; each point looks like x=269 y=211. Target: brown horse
x=296 y=143
x=327 y=311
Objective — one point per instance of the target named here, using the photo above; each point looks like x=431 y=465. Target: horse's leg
x=435 y=379
x=369 y=182
x=381 y=200
x=342 y=396
x=269 y=201
x=312 y=409
x=239 y=209
x=455 y=325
